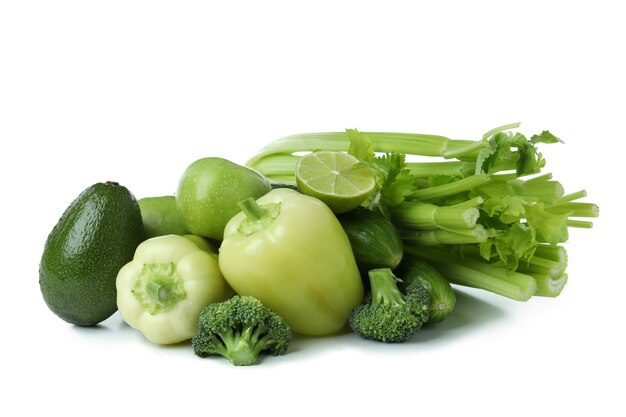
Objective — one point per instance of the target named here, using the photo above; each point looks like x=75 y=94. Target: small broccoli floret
x=387 y=315
x=239 y=329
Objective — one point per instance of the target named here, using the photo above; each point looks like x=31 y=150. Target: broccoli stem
x=241 y=353
x=243 y=347
x=384 y=288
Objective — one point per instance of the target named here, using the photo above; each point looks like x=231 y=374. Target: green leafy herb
x=394 y=182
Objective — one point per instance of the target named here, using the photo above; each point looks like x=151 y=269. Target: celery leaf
x=394 y=181
x=549 y=227
x=360 y=145
x=545 y=137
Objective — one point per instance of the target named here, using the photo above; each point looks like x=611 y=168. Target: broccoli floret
x=388 y=315
x=239 y=329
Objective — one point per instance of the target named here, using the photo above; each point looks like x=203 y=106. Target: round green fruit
x=209 y=191
x=96 y=235
x=160 y=216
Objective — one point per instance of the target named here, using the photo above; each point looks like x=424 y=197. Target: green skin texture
x=375 y=241
x=209 y=191
x=442 y=297
x=160 y=216
x=96 y=235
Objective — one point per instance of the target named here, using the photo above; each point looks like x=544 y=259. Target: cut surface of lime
x=334 y=178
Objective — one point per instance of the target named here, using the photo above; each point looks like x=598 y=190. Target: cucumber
x=278 y=184
x=375 y=241
x=442 y=298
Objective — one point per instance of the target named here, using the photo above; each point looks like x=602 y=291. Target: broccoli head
x=388 y=315
x=239 y=329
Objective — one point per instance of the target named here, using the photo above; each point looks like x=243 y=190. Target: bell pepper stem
x=252 y=210
x=257 y=217
x=159 y=287
x=156 y=291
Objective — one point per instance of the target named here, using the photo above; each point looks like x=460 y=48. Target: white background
x=134 y=91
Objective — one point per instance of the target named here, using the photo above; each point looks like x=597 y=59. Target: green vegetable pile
x=319 y=232
x=481 y=212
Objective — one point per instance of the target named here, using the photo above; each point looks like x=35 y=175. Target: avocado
x=96 y=235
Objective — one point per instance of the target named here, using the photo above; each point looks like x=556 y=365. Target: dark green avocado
x=96 y=235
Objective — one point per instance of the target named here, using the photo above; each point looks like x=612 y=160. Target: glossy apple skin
x=208 y=193
x=160 y=216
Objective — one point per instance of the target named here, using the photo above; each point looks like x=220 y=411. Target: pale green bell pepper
x=290 y=251
x=162 y=291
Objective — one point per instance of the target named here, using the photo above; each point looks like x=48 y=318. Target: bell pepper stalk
x=290 y=251
x=162 y=291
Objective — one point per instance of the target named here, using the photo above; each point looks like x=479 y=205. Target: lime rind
x=336 y=178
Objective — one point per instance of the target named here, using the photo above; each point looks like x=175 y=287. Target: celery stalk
x=541 y=188
x=575 y=209
x=546 y=260
x=414 y=215
x=428 y=169
x=278 y=165
x=477 y=274
x=549 y=286
x=406 y=143
x=580 y=224
x=446 y=190
x=437 y=237
x=571 y=197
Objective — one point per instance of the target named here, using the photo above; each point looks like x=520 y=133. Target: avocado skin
x=96 y=235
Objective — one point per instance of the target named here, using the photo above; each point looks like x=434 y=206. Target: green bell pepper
x=290 y=251
x=162 y=291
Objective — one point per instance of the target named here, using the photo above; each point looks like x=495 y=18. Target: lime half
x=334 y=178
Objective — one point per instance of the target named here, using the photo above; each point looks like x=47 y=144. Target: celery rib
x=548 y=285
x=426 y=216
x=451 y=168
x=477 y=274
x=580 y=224
x=575 y=209
x=572 y=196
x=446 y=190
x=438 y=237
x=277 y=164
x=405 y=143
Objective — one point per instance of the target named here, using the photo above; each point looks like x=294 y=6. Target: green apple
x=160 y=216
x=209 y=191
